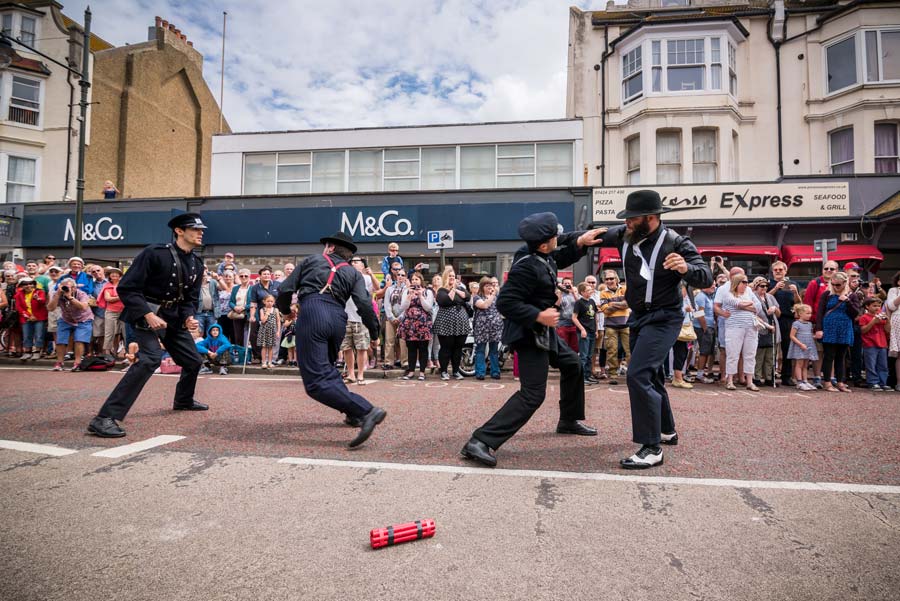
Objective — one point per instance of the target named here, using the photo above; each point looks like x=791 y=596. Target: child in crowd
x=875 y=327
x=584 y=315
x=803 y=345
x=287 y=336
x=215 y=350
x=269 y=328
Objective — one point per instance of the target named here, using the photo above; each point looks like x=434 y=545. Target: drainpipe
x=775 y=32
x=69 y=132
x=602 y=67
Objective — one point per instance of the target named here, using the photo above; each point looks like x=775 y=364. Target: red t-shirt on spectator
x=814 y=292
x=876 y=337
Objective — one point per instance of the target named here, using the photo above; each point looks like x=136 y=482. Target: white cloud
x=308 y=64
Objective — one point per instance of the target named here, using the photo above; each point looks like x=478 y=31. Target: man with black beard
x=654 y=260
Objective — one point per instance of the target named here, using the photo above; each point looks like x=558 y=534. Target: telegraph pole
x=85 y=84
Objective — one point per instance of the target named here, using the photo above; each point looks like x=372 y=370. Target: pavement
x=771 y=495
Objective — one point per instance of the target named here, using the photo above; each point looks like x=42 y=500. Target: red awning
x=765 y=251
x=796 y=253
x=609 y=255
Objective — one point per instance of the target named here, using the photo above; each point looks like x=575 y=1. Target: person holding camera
x=415 y=329
x=160 y=293
x=567 y=330
x=875 y=327
x=76 y=321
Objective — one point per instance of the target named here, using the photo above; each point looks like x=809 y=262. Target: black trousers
x=319 y=333
x=653 y=334
x=787 y=365
x=451 y=352
x=417 y=351
x=679 y=355
x=534 y=364
x=836 y=355
x=180 y=345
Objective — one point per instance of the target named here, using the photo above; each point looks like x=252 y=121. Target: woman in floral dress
x=487 y=326
x=415 y=328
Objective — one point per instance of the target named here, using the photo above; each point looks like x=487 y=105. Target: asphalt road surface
x=773 y=495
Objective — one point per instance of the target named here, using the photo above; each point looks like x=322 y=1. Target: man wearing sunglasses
x=811 y=297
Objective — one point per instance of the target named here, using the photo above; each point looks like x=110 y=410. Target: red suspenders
x=334 y=268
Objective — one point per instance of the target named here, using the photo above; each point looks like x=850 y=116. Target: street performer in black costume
x=655 y=260
x=160 y=291
x=323 y=284
x=529 y=303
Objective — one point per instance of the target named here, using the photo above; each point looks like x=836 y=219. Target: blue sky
x=309 y=64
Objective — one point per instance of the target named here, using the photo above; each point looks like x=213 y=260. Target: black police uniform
x=322 y=324
x=654 y=325
x=530 y=288
x=153 y=279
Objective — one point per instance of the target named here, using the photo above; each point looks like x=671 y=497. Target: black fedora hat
x=642 y=202
x=340 y=238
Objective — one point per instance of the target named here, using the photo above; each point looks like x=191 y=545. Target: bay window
x=668 y=157
x=679 y=65
x=867 y=56
x=705 y=151
x=633 y=158
x=887 y=158
x=840 y=143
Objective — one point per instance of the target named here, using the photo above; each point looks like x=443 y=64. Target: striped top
x=741 y=318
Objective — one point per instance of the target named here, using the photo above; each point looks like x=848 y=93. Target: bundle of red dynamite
x=401 y=533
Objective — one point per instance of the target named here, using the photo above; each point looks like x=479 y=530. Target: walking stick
x=246 y=348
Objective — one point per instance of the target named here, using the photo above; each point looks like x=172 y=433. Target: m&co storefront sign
x=720 y=202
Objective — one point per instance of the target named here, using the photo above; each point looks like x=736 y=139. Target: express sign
x=718 y=202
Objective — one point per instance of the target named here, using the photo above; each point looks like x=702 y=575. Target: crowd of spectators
x=837 y=332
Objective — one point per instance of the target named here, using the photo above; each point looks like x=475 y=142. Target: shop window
x=554 y=165
x=293 y=173
x=887 y=159
x=25 y=101
x=20 y=179
x=705 y=152
x=259 y=173
x=401 y=169
x=328 y=171
x=632 y=75
x=477 y=168
x=668 y=157
x=633 y=157
x=439 y=168
x=840 y=144
x=365 y=170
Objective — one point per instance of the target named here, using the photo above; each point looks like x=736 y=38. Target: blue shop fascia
x=278 y=229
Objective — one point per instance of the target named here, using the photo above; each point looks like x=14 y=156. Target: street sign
x=825 y=246
x=440 y=239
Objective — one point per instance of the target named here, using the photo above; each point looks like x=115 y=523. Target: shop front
x=282 y=229
x=752 y=225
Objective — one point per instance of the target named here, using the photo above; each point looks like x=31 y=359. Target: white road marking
x=454 y=469
x=136 y=447
x=28 y=447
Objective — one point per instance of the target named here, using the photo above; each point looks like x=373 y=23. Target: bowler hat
x=340 y=238
x=642 y=202
x=187 y=220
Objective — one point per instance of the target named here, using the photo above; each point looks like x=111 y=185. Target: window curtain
x=554 y=165
x=259 y=174
x=842 y=151
x=365 y=171
x=20 y=180
x=885 y=148
x=668 y=158
x=704 y=146
x=634 y=161
x=890 y=54
x=328 y=172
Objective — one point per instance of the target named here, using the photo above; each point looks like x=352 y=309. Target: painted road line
x=454 y=469
x=28 y=447
x=137 y=447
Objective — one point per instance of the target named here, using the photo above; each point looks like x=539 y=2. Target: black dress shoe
x=353 y=422
x=575 y=427
x=478 y=451
x=105 y=427
x=194 y=406
x=669 y=439
x=645 y=458
x=369 y=421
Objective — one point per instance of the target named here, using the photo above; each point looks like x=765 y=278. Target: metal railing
x=21 y=115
